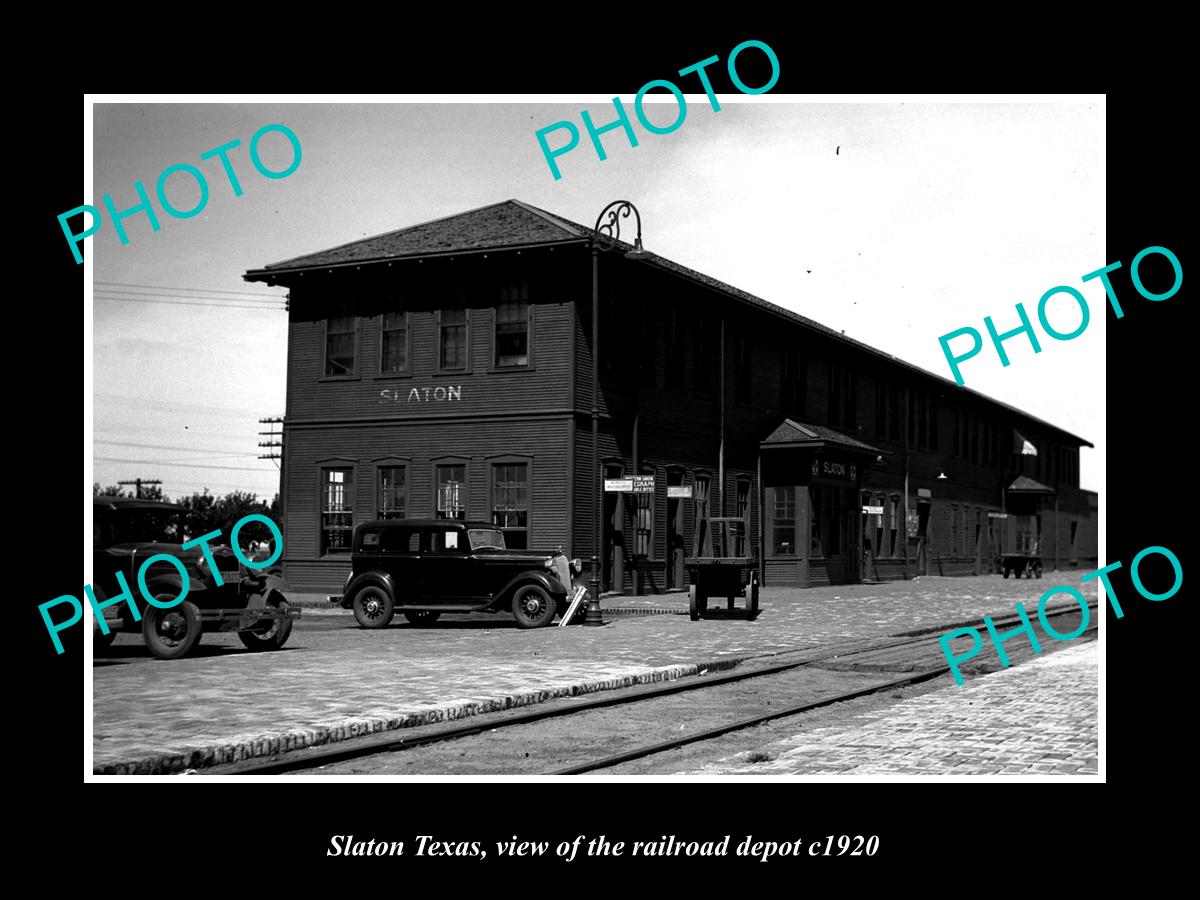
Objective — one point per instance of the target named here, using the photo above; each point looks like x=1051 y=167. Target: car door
x=401 y=558
x=444 y=565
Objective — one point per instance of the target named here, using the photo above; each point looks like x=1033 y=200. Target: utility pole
x=275 y=442
x=138 y=482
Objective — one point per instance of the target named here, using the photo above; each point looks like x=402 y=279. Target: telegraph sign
x=642 y=484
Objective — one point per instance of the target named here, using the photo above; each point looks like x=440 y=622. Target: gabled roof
x=816 y=437
x=513 y=224
x=1023 y=484
x=505 y=225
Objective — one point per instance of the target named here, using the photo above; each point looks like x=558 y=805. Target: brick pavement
x=335 y=680
x=1036 y=718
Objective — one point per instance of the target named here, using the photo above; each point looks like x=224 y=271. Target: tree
x=153 y=492
x=205 y=513
x=113 y=490
x=234 y=507
x=199 y=515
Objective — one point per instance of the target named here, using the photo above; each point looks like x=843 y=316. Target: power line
x=146 y=462
x=193 y=408
x=192 y=485
x=189 y=303
x=222 y=300
x=159 y=287
x=158 y=446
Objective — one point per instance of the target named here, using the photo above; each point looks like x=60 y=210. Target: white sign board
x=679 y=491
x=992 y=515
x=576 y=601
x=618 y=484
x=873 y=510
x=642 y=484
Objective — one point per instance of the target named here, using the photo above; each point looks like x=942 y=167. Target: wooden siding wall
x=543 y=440
x=677 y=424
x=359 y=422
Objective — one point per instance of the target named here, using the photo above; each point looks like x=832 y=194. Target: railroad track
x=341 y=752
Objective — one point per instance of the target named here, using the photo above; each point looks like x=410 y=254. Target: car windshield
x=138 y=525
x=485 y=539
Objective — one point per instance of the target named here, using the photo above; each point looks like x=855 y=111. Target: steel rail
x=616 y=759
x=342 y=751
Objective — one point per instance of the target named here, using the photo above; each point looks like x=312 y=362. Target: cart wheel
x=1038 y=569
x=693 y=607
x=753 y=596
x=1006 y=571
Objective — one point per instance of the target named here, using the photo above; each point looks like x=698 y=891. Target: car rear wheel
x=373 y=607
x=171 y=633
x=421 y=617
x=532 y=606
x=276 y=631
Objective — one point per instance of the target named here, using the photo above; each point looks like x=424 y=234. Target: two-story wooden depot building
x=445 y=370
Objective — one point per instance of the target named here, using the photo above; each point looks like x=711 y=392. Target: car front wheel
x=532 y=606
x=373 y=607
x=171 y=633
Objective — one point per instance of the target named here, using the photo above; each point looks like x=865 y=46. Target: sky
x=895 y=222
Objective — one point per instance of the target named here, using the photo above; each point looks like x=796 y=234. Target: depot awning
x=1027 y=486
x=803 y=436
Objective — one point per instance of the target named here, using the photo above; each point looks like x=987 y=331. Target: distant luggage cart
x=722 y=569
x=1021 y=564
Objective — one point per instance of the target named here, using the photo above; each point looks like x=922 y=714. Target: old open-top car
x=127 y=532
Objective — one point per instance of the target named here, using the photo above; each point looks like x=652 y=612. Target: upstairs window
x=675 y=344
x=512 y=333
x=452 y=339
x=743 y=369
x=792 y=386
x=393 y=343
x=341 y=344
x=705 y=361
x=842 y=398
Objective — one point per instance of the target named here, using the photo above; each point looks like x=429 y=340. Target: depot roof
x=515 y=225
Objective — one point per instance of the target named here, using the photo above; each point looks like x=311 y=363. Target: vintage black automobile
x=426 y=567
x=126 y=532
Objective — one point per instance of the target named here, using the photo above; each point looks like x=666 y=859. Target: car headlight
x=577 y=565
